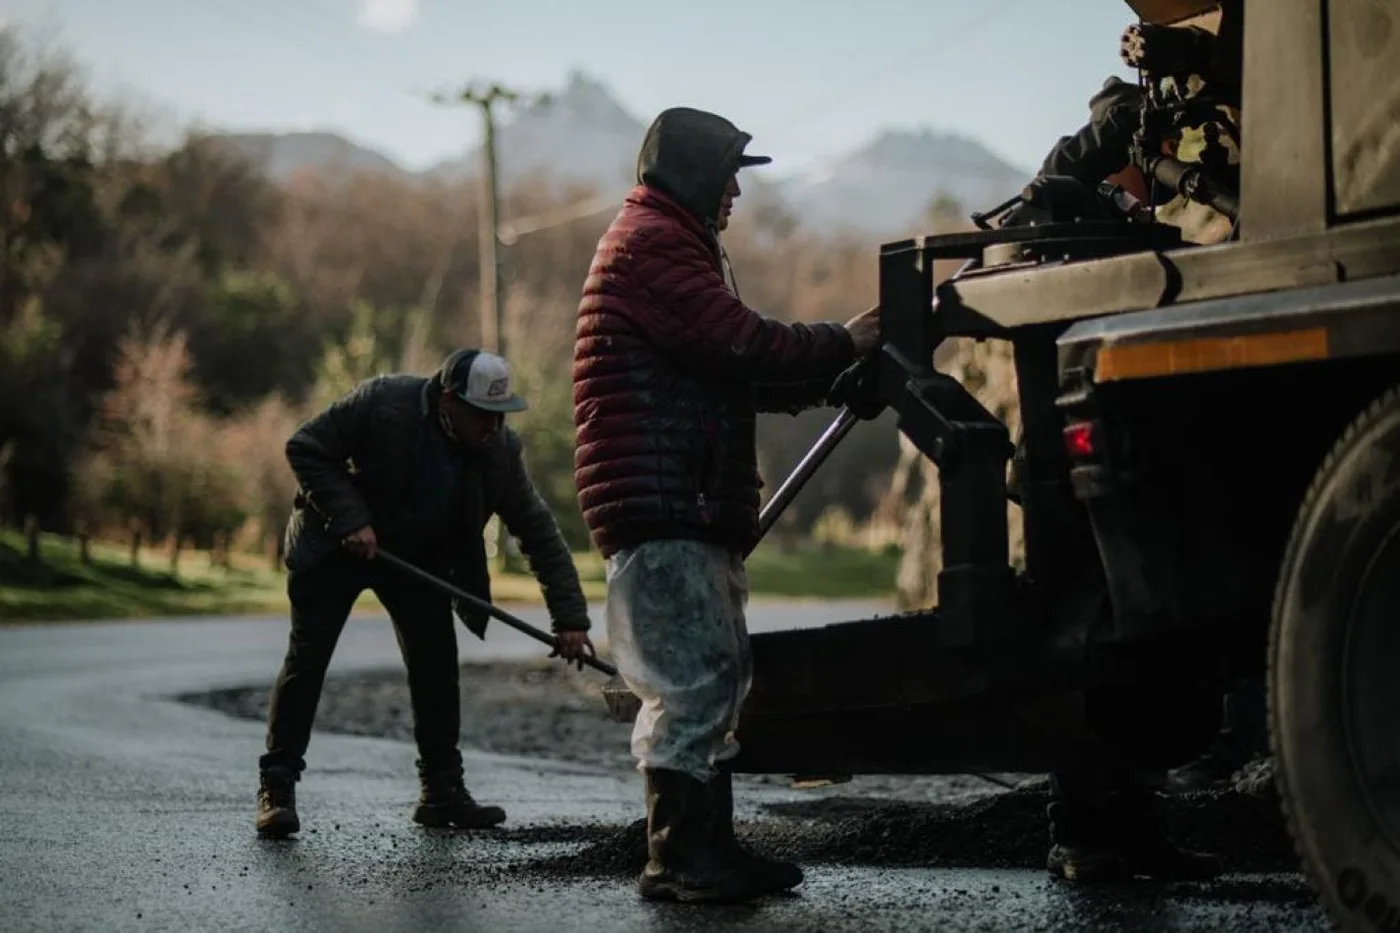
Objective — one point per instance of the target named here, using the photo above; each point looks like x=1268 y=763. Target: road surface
x=125 y=810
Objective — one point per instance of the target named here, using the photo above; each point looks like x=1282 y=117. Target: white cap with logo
x=481 y=379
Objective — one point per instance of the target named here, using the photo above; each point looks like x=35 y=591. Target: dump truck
x=1208 y=461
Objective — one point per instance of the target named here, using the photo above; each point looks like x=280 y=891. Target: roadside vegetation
x=62 y=586
x=169 y=313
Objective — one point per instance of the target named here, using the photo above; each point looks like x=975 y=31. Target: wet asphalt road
x=125 y=810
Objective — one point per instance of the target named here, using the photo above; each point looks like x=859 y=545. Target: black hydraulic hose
x=1191 y=181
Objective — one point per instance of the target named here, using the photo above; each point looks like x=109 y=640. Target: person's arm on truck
x=697 y=319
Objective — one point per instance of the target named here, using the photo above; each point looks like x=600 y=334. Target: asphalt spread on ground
x=546 y=710
x=126 y=809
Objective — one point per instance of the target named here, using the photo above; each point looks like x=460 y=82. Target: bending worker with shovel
x=417 y=465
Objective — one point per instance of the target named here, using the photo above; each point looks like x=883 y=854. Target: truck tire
x=1334 y=675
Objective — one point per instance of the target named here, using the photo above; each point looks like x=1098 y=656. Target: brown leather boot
x=277 y=805
x=445 y=802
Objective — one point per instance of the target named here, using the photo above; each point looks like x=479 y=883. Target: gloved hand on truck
x=855 y=389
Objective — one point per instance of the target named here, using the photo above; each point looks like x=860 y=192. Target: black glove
x=855 y=389
x=1102 y=146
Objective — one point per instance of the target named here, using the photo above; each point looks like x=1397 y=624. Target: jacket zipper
x=709 y=467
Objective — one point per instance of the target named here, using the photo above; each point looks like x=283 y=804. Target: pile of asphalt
x=544 y=710
x=1004 y=830
x=538 y=709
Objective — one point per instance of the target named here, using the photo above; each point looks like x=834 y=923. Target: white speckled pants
x=675 y=614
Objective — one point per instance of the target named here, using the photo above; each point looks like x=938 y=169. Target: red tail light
x=1081 y=440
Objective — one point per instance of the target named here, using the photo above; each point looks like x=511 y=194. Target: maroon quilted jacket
x=670 y=366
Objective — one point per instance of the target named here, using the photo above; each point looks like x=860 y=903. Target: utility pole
x=493 y=305
x=493 y=316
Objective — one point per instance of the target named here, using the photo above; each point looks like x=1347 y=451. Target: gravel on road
x=543 y=709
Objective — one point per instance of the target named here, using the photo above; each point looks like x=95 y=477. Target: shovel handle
x=478 y=603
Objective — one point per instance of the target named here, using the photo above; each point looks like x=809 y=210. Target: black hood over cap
x=690 y=154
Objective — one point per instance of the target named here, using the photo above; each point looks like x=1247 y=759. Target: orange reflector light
x=1172 y=357
x=1079 y=439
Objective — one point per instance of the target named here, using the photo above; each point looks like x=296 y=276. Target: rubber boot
x=773 y=874
x=444 y=802
x=277 y=805
x=685 y=863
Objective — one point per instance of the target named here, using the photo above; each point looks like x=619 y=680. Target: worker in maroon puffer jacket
x=670 y=369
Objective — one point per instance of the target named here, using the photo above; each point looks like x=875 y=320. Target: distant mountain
x=280 y=155
x=886 y=186
x=583 y=134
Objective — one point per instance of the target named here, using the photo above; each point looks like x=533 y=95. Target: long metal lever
x=807 y=466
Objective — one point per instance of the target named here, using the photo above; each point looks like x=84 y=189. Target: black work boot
x=1243 y=739
x=277 y=805
x=1148 y=849
x=1079 y=851
x=1214 y=769
x=1117 y=841
x=445 y=802
x=685 y=861
x=773 y=874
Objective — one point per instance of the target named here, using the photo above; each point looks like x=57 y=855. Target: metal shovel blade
x=623 y=705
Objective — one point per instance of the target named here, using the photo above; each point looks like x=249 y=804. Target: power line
x=317 y=18
x=509 y=232
x=512 y=231
x=887 y=68
x=493 y=306
x=486 y=99
x=266 y=26
x=315 y=30
x=598 y=205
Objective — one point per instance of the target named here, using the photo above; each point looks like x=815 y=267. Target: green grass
x=61 y=587
x=817 y=572
x=806 y=571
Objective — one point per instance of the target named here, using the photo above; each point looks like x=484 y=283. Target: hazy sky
x=809 y=79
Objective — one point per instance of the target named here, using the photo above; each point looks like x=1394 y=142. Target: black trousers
x=322 y=597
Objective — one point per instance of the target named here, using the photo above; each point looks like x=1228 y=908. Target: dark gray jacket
x=354 y=461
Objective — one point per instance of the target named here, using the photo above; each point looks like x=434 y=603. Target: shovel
x=496 y=613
